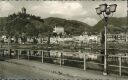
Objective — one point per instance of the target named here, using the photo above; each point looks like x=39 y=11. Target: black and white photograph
x=63 y=40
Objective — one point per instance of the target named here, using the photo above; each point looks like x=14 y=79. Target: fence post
x=28 y=54
x=42 y=56
x=18 y=54
x=3 y=52
x=120 y=65
x=84 y=62
x=61 y=59
x=14 y=53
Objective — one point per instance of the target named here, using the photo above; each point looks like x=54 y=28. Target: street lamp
x=105 y=10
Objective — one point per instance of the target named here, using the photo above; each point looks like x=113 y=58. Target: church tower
x=24 y=10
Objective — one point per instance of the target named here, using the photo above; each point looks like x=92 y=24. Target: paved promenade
x=67 y=71
x=11 y=71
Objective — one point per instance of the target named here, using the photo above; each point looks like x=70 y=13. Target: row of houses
x=22 y=40
x=122 y=37
x=85 y=38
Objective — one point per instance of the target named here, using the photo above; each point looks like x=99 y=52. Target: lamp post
x=105 y=10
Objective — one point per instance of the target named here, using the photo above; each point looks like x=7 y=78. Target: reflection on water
x=60 y=57
x=48 y=53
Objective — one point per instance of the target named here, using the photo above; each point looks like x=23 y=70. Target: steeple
x=24 y=10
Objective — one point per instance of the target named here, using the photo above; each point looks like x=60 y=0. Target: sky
x=83 y=11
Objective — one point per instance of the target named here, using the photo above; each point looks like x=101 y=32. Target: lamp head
x=113 y=7
x=98 y=11
x=103 y=7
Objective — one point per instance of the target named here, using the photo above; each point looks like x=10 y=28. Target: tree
x=31 y=30
x=49 y=33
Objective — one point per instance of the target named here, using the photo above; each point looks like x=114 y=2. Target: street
x=14 y=71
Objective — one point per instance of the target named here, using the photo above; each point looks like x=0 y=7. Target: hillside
x=72 y=27
x=3 y=20
x=32 y=25
x=115 y=25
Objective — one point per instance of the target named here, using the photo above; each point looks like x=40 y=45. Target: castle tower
x=24 y=10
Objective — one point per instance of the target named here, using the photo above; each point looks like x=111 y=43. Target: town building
x=87 y=38
x=58 y=30
x=23 y=10
x=121 y=37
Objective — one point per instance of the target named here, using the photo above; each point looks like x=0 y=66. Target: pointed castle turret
x=24 y=10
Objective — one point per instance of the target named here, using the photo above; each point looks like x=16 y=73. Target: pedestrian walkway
x=67 y=71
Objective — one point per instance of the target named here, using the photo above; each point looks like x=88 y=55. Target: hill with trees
x=116 y=25
x=71 y=27
x=31 y=25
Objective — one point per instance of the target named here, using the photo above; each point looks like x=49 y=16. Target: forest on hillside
x=31 y=25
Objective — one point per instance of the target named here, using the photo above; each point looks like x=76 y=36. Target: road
x=14 y=71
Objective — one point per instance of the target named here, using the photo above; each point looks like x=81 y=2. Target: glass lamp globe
x=103 y=7
x=98 y=11
x=113 y=7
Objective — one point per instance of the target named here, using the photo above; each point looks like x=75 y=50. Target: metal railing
x=116 y=64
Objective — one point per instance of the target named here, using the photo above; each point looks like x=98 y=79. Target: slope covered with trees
x=16 y=24
x=31 y=25
x=115 y=25
x=71 y=27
